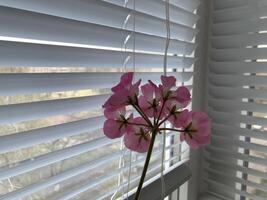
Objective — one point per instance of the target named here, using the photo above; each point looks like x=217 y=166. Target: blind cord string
x=167 y=22
x=125 y=59
x=121 y=167
x=130 y=164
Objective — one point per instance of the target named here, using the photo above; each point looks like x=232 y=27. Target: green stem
x=139 y=110
x=164 y=120
x=137 y=124
x=142 y=179
x=161 y=110
x=173 y=129
x=170 y=129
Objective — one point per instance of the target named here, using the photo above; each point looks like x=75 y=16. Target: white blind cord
x=167 y=10
x=122 y=158
x=130 y=164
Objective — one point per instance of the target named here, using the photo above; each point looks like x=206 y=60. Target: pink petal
x=126 y=81
x=114 y=112
x=143 y=103
x=183 y=95
x=118 y=99
x=139 y=120
x=183 y=119
x=157 y=91
x=199 y=118
x=134 y=89
x=148 y=91
x=145 y=106
x=204 y=129
x=200 y=123
x=112 y=129
x=168 y=81
x=132 y=142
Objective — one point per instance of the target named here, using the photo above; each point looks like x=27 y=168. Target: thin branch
x=161 y=110
x=171 y=129
x=148 y=156
x=137 y=124
x=139 y=110
x=164 y=120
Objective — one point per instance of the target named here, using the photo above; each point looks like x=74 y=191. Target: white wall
x=196 y=184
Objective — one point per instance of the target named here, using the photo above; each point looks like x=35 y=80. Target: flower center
x=122 y=121
x=142 y=134
x=190 y=130
x=153 y=104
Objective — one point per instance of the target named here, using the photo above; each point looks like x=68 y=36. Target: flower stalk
x=155 y=105
x=148 y=156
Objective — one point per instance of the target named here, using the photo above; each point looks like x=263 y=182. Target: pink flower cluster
x=155 y=104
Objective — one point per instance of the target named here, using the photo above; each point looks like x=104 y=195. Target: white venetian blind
x=237 y=157
x=58 y=60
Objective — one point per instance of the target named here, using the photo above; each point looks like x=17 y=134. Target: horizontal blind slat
x=37 y=110
x=240 y=40
x=157 y=8
x=216 y=162
x=236 y=80
x=18 y=54
x=249 y=11
x=217 y=151
x=189 y=5
x=230 y=118
x=29 y=83
x=232 y=106
x=37 y=136
x=51 y=28
x=237 y=67
x=236 y=93
x=222 y=129
x=238 y=143
x=230 y=4
x=238 y=54
x=239 y=27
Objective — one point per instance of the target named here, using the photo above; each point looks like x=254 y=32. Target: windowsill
x=208 y=197
x=173 y=179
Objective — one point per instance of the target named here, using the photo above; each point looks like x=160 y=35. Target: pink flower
x=116 y=124
x=196 y=127
x=173 y=112
x=150 y=100
x=138 y=137
x=125 y=92
x=119 y=99
x=167 y=83
x=174 y=105
x=160 y=102
x=182 y=96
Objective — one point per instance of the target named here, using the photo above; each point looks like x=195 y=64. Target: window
x=237 y=100
x=58 y=60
